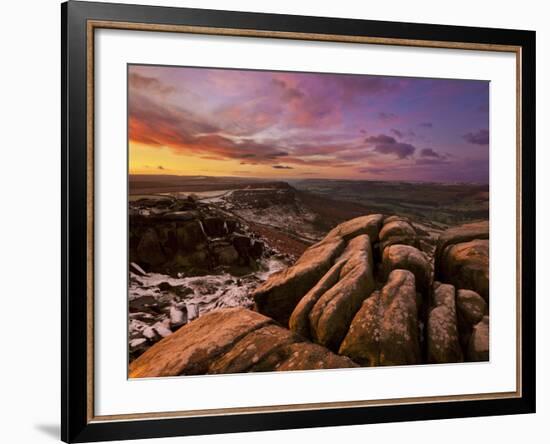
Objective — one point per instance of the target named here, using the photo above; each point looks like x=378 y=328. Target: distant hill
x=329 y=202
x=145 y=183
x=428 y=202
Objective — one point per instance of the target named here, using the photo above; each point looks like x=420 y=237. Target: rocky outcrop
x=466 y=265
x=462 y=260
x=232 y=340
x=148 y=249
x=299 y=319
x=409 y=258
x=364 y=295
x=478 y=345
x=471 y=308
x=279 y=295
x=253 y=350
x=369 y=225
x=191 y=349
x=462 y=257
x=180 y=236
x=408 y=320
x=385 y=330
x=443 y=344
x=325 y=312
x=397 y=231
x=215 y=226
x=305 y=356
x=460 y=234
x=246 y=246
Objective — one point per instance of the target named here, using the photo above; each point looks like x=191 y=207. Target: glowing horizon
x=287 y=125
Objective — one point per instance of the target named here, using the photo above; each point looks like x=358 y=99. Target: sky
x=272 y=124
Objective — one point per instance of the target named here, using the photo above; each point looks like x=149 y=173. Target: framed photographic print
x=275 y=221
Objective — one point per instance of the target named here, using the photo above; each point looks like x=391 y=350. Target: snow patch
x=155 y=314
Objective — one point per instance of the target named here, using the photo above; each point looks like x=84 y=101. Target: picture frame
x=80 y=21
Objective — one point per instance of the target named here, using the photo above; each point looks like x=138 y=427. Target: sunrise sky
x=220 y=122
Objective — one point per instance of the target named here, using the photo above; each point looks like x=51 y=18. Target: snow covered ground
x=159 y=304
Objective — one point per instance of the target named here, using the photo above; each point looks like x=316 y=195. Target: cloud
x=288 y=93
x=279 y=120
x=310 y=101
x=246 y=124
x=321 y=149
x=428 y=152
x=139 y=82
x=396 y=132
x=386 y=116
x=480 y=137
x=350 y=86
x=277 y=154
x=185 y=133
x=373 y=170
x=212 y=157
x=426 y=125
x=431 y=161
x=157 y=124
x=402 y=133
x=381 y=138
x=385 y=144
x=248 y=117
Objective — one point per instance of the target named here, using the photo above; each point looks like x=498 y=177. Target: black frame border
x=75 y=424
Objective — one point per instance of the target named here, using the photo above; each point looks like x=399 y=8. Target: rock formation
x=279 y=296
x=326 y=311
x=397 y=230
x=471 y=308
x=232 y=340
x=442 y=331
x=466 y=265
x=363 y=296
x=478 y=345
x=385 y=330
x=168 y=236
x=462 y=257
x=408 y=258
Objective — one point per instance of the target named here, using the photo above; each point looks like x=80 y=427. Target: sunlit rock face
x=233 y=340
x=280 y=295
x=364 y=295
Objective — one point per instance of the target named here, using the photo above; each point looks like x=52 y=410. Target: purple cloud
x=296 y=121
x=428 y=152
x=385 y=144
x=480 y=137
x=373 y=170
x=431 y=161
x=396 y=132
x=288 y=93
x=140 y=82
x=386 y=116
x=401 y=133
